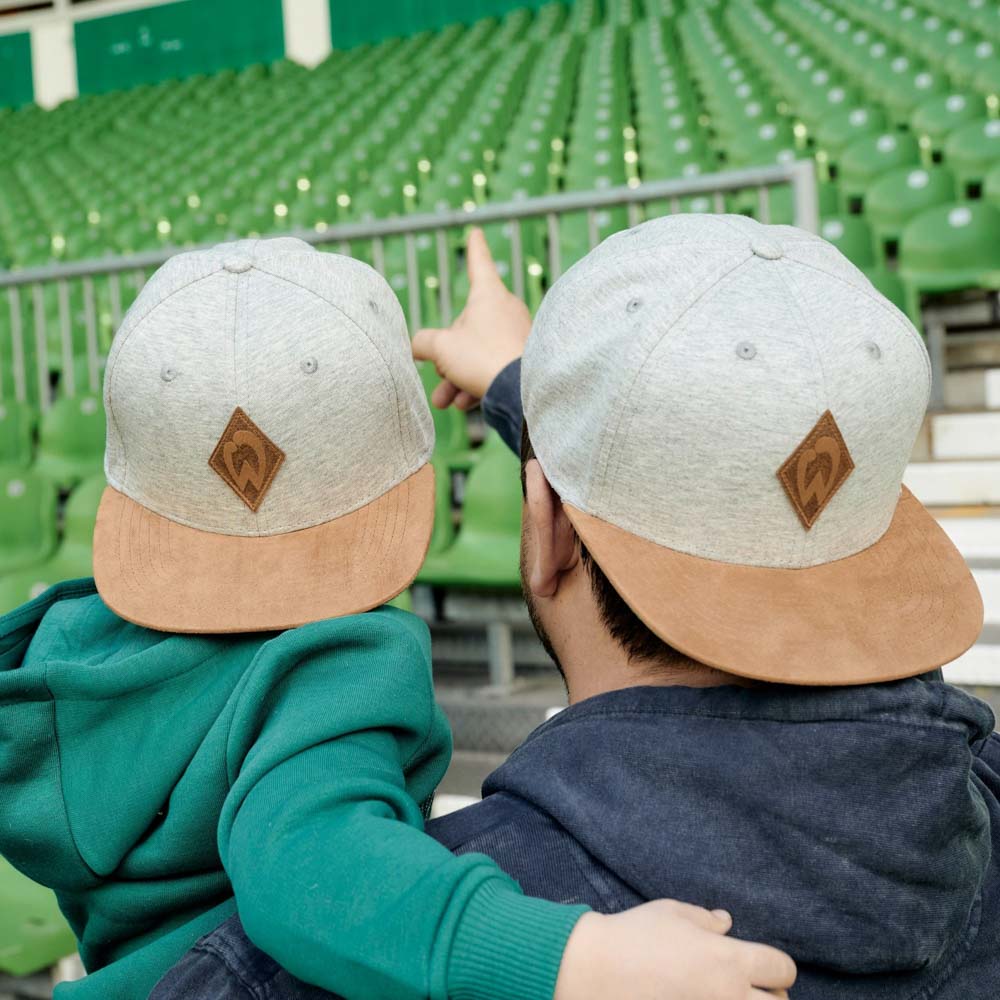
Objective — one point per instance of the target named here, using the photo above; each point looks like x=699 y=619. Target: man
x=747 y=608
x=718 y=416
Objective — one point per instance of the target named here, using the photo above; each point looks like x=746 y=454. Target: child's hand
x=489 y=333
x=668 y=951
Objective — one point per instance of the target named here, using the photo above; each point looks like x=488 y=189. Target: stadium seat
x=71 y=440
x=27 y=519
x=33 y=931
x=486 y=549
x=868 y=158
x=852 y=236
x=949 y=248
x=970 y=152
x=900 y=195
x=17 y=434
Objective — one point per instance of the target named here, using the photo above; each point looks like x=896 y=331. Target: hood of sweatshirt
x=846 y=826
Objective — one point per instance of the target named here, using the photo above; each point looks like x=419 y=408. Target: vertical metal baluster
x=592 y=234
x=719 y=203
x=139 y=279
x=378 y=255
x=764 y=203
x=115 y=289
x=68 y=381
x=413 y=282
x=633 y=214
x=17 y=345
x=90 y=324
x=675 y=205
x=516 y=258
x=344 y=247
x=444 y=276
x=41 y=348
x=555 y=255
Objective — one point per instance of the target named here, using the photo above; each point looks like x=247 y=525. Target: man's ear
x=554 y=538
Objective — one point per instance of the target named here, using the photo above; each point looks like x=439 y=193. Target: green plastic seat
x=868 y=158
x=935 y=119
x=71 y=440
x=27 y=519
x=33 y=931
x=949 y=248
x=852 y=236
x=486 y=550
x=902 y=194
x=74 y=556
x=17 y=434
x=971 y=150
x=889 y=284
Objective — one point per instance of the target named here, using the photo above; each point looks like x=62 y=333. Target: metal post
x=41 y=348
x=592 y=234
x=413 y=282
x=500 y=655
x=516 y=258
x=68 y=383
x=764 y=203
x=444 y=277
x=555 y=254
x=806 y=195
x=90 y=324
x=936 y=334
x=17 y=345
x=378 y=255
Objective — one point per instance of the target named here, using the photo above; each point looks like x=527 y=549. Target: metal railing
x=62 y=316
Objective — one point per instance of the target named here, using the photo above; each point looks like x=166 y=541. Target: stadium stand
x=895 y=102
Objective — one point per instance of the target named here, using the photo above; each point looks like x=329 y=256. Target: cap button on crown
x=237 y=265
x=766 y=249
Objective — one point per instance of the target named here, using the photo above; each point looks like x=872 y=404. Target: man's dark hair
x=620 y=620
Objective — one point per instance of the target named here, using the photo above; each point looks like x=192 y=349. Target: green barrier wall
x=176 y=40
x=15 y=70
x=352 y=23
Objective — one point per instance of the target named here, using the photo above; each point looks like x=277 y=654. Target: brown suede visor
x=167 y=576
x=904 y=606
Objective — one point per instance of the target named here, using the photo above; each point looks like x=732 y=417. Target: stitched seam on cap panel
x=796 y=300
x=115 y=374
x=371 y=341
x=612 y=439
x=886 y=307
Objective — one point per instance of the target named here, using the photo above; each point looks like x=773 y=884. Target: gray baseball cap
x=268 y=444
x=726 y=410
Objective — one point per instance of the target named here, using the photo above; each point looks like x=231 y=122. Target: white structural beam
x=307 y=30
x=53 y=62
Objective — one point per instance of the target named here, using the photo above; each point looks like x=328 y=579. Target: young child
x=216 y=728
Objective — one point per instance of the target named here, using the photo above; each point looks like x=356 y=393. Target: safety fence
x=57 y=328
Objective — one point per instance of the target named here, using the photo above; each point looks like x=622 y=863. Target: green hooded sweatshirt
x=159 y=783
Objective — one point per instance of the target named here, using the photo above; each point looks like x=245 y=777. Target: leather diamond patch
x=246 y=459
x=816 y=470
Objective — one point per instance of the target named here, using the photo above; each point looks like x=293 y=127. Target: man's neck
x=588 y=677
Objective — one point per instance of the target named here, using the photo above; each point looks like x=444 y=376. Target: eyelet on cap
x=633 y=305
x=873 y=350
x=746 y=350
x=168 y=374
x=237 y=265
x=309 y=365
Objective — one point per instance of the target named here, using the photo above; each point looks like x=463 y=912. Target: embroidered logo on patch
x=816 y=470
x=246 y=459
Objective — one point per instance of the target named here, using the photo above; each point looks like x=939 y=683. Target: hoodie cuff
x=509 y=946
x=502 y=406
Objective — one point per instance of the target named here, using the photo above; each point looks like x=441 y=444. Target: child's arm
x=333 y=877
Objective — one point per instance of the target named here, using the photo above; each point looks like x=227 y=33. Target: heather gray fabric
x=304 y=342
x=671 y=372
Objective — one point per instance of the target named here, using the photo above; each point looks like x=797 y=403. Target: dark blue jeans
x=225 y=965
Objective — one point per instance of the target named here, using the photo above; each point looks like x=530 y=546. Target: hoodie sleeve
x=502 y=406
x=334 y=739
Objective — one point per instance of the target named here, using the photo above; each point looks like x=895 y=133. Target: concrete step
x=973 y=388
x=977 y=538
x=955 y=484
x=965 y=435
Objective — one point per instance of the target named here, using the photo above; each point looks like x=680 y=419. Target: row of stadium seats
x=896 y=103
